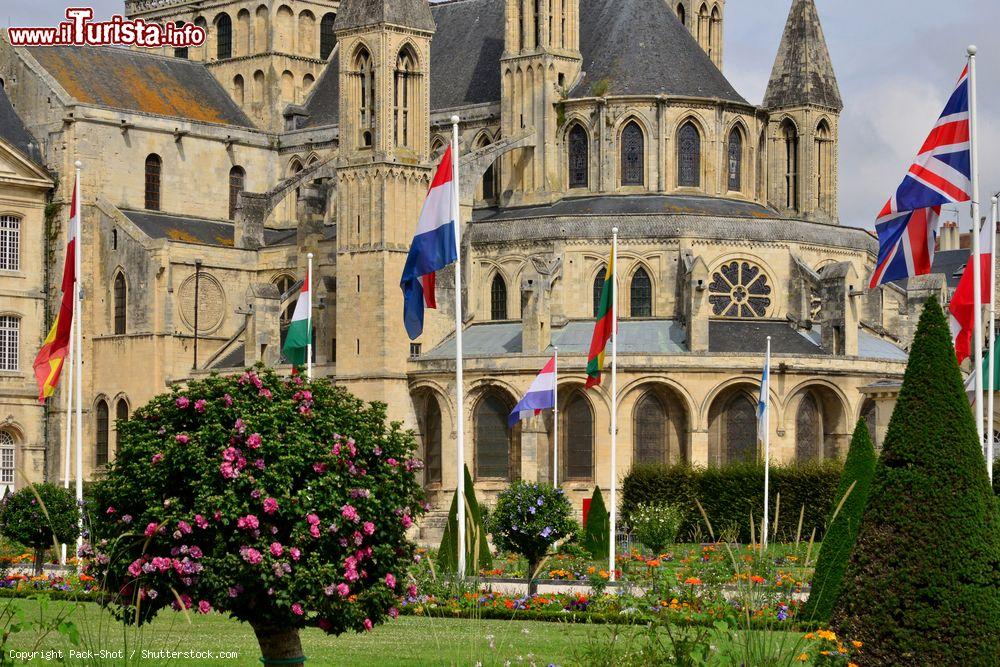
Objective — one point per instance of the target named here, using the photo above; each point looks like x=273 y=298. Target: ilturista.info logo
x=79 y=29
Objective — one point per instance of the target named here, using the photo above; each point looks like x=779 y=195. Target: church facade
x=314 y=126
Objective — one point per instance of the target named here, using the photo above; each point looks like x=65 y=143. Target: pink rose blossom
x=199 y=406
x=343 y=589
x=227 y=400
x=349 y=513
x=314 y=530
x=111 y=510
x=336 y=449
x=297 y=609
x=251 y=555
x=319 y=468
x=254 y=440
x=195 y=552
x=182 y=402
x=368 y=624
x=184 y=527
x=259 y=464
x=411 y=590
x=392 y=462
x=240 y=425
x=407 y=521
x=228 y=471
x=295 y=553
x=135 y=569
x=157 y=457
x=200 y=521
x=277 y=549
x=393 y=612
x=368 y=527
x=182 y=439
x=127 y=518
x=204 y=607
x=390 y=580
x=248 y=522
x=270 y=505
x=151 y=529
x=312 y=519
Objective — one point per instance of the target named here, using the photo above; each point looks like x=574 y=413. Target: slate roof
x=869 y=346
x=750 y=337
x=132 y=80
x=637 y=46
x=948 y=263
x=202 y=231
x=13 y=130
x=634 y=204
x=803 y=72
x=360 y=13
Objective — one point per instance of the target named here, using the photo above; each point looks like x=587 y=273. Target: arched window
x=489 y=184
x=260 y=30
x=735 y=154
x=740 y=429
x=633 y=155
x=714 y=32
x=492 y=438
x=153 y=168
x=327 y=37
x=7 y=463
x=287 y=86
x=239 y=90
x=762 y=167
x=10 y=343
x=284 y=284
x=703 y=27
x=258 y=87
x=824 y=164
x=366 y=96
x=579 y=157
x=237 y=184
x=183 y=51
x=739 y=289
x=432 y=441
x=641 y=294
x=102 y=425
x=10 y=243
x=437 y=148
x=121 y=414
x=223 y=36
x=120 y=296
x=808 y=430
x=599 y=289
x=307 y=34
x=791 y=138
x=650 y=429
x=688 y=156
x=404 y=95
x=681 y=14
x=578 y=438
x=498 y=298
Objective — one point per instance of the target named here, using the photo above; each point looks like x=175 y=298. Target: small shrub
x=656 y=525
x=477 y=549
x=40 y=525
x=597 y=531
x=528 y=519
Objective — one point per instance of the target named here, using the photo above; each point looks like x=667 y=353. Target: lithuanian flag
x=51 y=358
x=604 y=327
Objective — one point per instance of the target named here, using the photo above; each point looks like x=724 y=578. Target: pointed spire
x=403 y=13
x=803 y=73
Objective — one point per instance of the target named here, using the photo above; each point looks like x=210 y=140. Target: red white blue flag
x=541 y=395
x=433 y=248
x=941 y=174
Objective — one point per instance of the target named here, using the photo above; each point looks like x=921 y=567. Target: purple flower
x=546 y=532
x=240 y=425
x=127 y=518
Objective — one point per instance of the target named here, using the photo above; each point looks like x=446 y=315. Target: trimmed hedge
x=730 y=493
x=596 y=537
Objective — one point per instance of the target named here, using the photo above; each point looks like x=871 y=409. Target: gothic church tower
x=382 y=177
x=540 y=64
x=703 y=18
x=804 y=104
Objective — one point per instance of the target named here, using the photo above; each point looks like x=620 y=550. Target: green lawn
x=405 y=641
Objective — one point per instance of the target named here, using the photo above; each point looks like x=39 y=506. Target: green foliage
x=842 y=530
x=280 y=501
x=656 y=525
x=730 y=493
x=529 y=518
x=477 y=548
x=600 y=87
x=40 y=525
x=923 y=581
x=597 y=535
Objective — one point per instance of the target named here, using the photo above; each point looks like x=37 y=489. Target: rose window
x=739 y=289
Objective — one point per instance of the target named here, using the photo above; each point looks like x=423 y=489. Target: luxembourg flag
x=541 y=395
x=961 y=308
x=433 y=248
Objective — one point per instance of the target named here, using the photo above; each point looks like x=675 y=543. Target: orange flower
x=803 y=657
x=857 y=644
x=828 y=635
x=757 y=579
x=653 y=563
x=693 y=581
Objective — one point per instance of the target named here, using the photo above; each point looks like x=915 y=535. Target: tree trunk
x=532 y=579
x=39 y=560
x=279 y=644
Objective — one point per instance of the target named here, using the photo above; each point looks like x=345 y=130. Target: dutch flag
x=433 y=248
x=541 y=395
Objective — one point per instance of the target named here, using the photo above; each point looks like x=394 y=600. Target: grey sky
x=896 y=61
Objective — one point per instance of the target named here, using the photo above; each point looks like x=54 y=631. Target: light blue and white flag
x=763 y=402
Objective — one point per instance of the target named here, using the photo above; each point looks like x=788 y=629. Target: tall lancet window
x=633 y=154
x=824 y=167
x=579 y=157
x=688 y=156
x=365 y=73
x=403 y=94
x=735 y=162
x=791 y=138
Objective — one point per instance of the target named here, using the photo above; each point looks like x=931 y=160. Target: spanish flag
x=604 y=327
x=51 y=358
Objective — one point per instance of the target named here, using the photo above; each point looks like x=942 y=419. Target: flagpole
x=68 y=402
x=459 y=389
x=977 y=335
x=309 y=317
x=765 y=391
x=614 y=404
x=991 y=363
x=78 y=354
x=555 y=422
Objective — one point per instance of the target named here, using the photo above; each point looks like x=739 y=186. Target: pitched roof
x=641 y=47
x=407 y=13
x=650 y=204
x=803 y=72
x=13 y=130
x=138 y=81
x=201 y=231
x=465 y=53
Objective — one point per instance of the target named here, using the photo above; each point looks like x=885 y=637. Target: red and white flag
x=962 y=307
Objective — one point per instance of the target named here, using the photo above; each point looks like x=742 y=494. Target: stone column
x=262 y=339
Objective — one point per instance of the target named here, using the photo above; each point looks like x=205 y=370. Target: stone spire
x=803 y=73
x=404 y=13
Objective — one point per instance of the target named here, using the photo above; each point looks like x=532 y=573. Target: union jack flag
x=942 y=174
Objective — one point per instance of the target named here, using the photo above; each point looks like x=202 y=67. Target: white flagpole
x=614 y=404
x=68 y=402
x=765 y=391
x=991 y=364
x=977 y=336
x=78 y=354
x=309 y=317
x=555 y=422
x=459 y=389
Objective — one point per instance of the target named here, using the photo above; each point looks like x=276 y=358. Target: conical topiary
x=596 y=531
x=842 y=526
x=922 y=585
x=476 y=546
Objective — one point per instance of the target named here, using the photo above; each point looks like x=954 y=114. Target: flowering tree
x=282 y=502
x=40 y=525
x=528 y=519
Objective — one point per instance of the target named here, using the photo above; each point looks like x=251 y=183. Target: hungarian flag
x=298 y=337
x=51 y=358
x=961 y=308
x=604 y=327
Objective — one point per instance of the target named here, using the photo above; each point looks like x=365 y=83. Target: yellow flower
x=809 y=635
x=828 y=635
x=803 y=657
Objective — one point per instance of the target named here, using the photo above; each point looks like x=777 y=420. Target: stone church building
x=314 y=126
